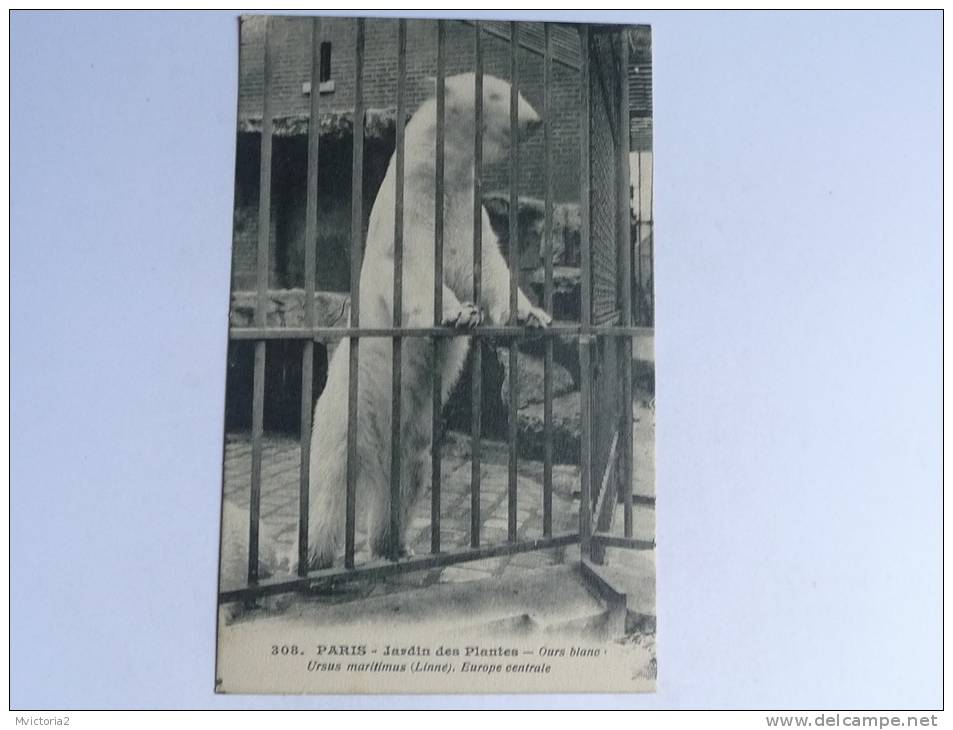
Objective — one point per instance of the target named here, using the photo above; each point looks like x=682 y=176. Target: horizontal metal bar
x=304 y=333
x=335 y=576
x=623 y=542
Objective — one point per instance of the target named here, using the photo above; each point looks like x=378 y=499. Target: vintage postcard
x=439 y=442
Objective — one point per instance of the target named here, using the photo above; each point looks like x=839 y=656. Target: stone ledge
x=286 y=308
x=377 y=123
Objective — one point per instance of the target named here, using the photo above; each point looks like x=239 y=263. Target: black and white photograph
x=439 y=447
x=347 y=371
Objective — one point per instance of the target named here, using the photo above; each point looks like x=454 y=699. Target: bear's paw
x=466 y=316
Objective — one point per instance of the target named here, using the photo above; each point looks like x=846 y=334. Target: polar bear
x=329 y=440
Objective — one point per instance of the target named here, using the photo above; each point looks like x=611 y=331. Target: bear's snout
x=533 y=125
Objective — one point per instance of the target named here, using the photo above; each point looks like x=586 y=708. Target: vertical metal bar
x=261 y=304
x=476 y=377
x=625 y=230
x=437 y=406
x=357 y=225
x=651 y=223
x=643 y=292
x=548 y=283
x=396 y=422
x=585 y=342
x=514 y=274
x=307 y=379
x=310 y=263
x=254 y=508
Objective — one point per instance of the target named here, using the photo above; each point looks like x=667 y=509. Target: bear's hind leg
x=378 y=514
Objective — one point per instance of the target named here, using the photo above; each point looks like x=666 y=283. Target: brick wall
x=291 y=44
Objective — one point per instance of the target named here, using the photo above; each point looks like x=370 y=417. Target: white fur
x=329 y=441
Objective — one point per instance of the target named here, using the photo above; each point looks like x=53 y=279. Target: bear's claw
x=465 y=316
x=534 y=317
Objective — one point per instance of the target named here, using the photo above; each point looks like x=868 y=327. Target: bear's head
x=459 y=109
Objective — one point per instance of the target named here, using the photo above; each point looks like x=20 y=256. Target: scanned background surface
x=500 y=530
x=782 y=230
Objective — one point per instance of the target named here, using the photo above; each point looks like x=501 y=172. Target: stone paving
x=279 y=505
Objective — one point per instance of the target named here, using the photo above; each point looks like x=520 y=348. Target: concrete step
x=630 y=574
x=521 y=613
x=551 y=599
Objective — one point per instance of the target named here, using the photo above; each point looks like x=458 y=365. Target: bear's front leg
x=527 y=314
x=453 y=350
x=464 y=315
x=496 y=287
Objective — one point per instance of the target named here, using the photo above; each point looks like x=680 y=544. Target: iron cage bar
x=396 y=342
x=585 y=331
x=476 y=372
